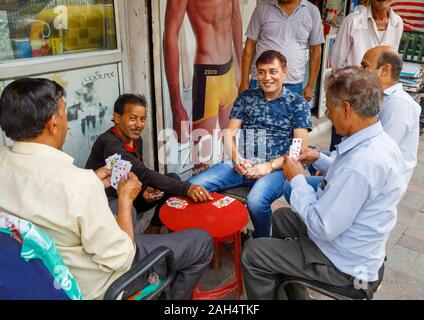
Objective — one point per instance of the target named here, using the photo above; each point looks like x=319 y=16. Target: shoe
x=245 y=236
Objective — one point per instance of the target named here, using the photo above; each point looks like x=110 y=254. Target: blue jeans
x=294 y=87
x=263 y=192
x=313 y=181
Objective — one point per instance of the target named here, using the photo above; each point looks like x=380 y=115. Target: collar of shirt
x=301 y=4
x=283 y=95
x=127 y=146
x=358 y=138
x=392 y=20
x=390 y=90
x=39 y=149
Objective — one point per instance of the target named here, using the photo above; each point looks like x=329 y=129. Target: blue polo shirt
x=267 y=126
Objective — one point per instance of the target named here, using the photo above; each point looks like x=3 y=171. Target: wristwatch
x=273 y=167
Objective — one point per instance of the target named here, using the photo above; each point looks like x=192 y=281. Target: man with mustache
x=130 y=114
x=362 y=30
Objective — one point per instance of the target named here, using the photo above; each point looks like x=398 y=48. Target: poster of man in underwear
x=202 y=51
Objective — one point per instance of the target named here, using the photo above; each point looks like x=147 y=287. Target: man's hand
x=198 y=193
x=104 y=174
x=258 y=171
x=128 y=189
x=181 y=124
x=308 y=156
x=291 y=168
x=242 y=165
x=308 y=93
x=152 y=195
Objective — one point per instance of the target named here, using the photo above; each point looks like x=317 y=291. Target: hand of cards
x=223 y=202
x=176 y=203
x=295 y=148
x=120 y=168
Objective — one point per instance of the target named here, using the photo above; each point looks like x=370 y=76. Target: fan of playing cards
x=120 y=168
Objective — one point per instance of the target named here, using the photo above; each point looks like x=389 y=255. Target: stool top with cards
x=222 y=218
x=219 y=220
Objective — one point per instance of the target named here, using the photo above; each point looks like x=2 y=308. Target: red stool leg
x=237 y=264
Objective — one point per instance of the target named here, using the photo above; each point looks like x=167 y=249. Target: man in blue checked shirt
x=270 y=117
x=337 y=234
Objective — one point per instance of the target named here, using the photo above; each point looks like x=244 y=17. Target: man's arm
x=342 y=45
x=314 y=65
x=237 y=29
x=328 y=217
x=174 y=16
x=301 y=133
x=248 y=54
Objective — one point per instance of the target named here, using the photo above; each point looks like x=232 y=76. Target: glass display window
x=37 y=28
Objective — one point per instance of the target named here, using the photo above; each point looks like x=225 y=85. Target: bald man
x=399 y=114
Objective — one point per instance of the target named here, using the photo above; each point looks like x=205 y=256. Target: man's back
x=400 y=118
x=372 y=166
x=40 y=184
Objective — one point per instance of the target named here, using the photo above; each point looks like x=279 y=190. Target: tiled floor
x=404 y=272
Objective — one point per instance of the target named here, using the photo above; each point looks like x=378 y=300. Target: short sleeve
x=238 y=111
x=316 y=35
x=302 y=115
x=254 y=28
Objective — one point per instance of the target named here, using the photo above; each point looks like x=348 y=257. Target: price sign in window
x=37 y=28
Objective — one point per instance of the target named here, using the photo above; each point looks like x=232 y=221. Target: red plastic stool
x=222 y=224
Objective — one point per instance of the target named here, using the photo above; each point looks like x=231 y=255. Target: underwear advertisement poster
x=89 y=110
x=201 y=50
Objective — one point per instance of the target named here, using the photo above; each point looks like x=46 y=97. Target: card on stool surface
x=176 y=203
x=295 y=148
x=223 y=202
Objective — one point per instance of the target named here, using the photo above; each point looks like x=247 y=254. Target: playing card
x=295 y=148
x=174 y=202
x=223 y=202
x=111 y=161
x=120 y=170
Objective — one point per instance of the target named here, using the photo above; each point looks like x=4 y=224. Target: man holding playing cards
x=123 y=145
x=336 y=235
x=40 y=184
x=270 y=117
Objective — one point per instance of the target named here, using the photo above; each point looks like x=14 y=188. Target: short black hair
x=26 y=105
x=128 y=98
x=395 y=61
x=269 y=56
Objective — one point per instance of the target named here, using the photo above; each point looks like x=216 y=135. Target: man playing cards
x=124 y=141
x=40 y=184
x=270 y=117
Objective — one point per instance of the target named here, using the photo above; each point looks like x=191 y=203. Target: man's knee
x=201 y=242
x=173 y=175
x=251 y=251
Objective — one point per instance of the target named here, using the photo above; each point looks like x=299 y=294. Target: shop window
x=36 y=28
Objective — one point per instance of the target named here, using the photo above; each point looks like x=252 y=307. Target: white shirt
x=40 y=184
x=400 y=118
x=358 y=33
x=351 y=215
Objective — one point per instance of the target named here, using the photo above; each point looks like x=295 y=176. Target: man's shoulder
x=401 y=103
x=251 y=94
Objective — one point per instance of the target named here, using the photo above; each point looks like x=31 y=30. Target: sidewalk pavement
x=404 y=270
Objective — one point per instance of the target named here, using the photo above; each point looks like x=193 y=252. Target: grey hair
x=393 y=58
x=360 y=88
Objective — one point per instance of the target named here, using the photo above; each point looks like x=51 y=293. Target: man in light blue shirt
x=337 y=234
x=399 y=114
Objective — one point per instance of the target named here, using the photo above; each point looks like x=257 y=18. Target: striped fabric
x=411 y=12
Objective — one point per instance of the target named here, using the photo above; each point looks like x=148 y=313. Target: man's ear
x=347 y=109
x=116 y=118
x=386 y=70
x=51 y=125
